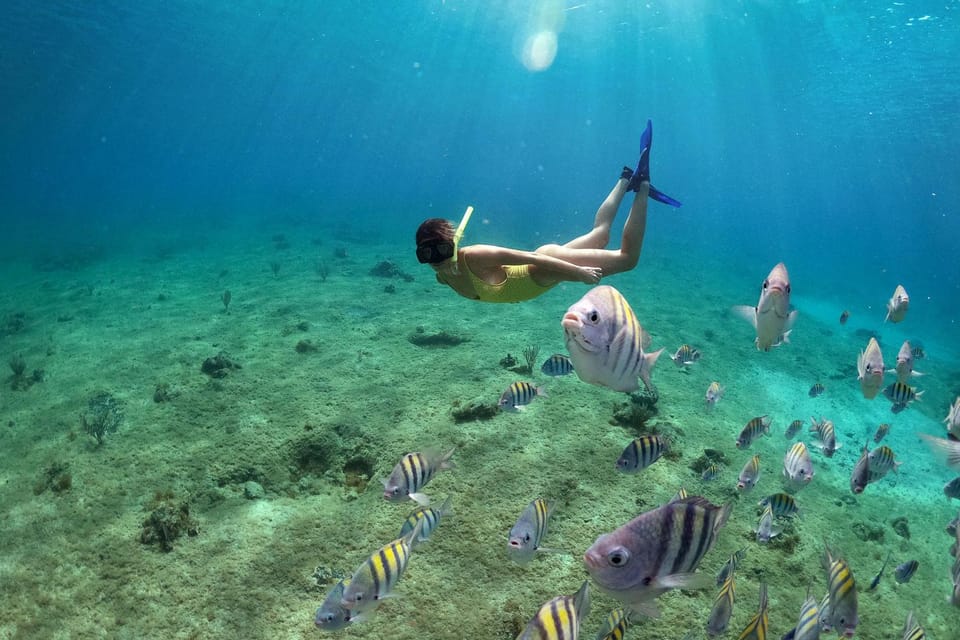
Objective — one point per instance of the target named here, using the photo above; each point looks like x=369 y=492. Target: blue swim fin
x=642 y=174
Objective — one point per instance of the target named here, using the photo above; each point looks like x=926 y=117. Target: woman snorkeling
x=498 y=274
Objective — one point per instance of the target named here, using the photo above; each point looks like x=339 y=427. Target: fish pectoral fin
x=648 y=608
x=421 y=499
x=684 y=581
x=746 y=312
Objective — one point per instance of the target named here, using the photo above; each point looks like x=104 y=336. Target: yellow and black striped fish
x=376 y=576
x=782 y=505
x=843 y=594
x=719 y=618
x=642 y=452
x=882 y=431
x=528 y=532
x=557 y=365
x=816 y=390
x=412 y=473
x=756 y=427
x=901 y=394
x=756 y=629
x=793 y=429
x=431 y=518
x=615 y=626
x=559 y=619
x=749 y=475
x=731 y=565
x=685 y=355
x=808 y=626
x=912 y=629
x=518 y=395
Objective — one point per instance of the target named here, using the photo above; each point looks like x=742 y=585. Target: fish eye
x=766 y=283
x=526 y=538
x=618 y=557
x=788 y=288
x=594 y=316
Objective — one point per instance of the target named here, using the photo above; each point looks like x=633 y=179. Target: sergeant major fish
x=431 y=519
x=518 y=395
x=642 y=452
x=685 y=355
x=559 y=618
x=756 y=427
x=376 y=576
x=657 y=551
x=731 y=565
x=412 y=473
x=843 y=594
x=527 y=534
x=749 y=475
x=756 y=629
x=333 y=616
x=766 y=530
x=714 y=394
x=719 y=618
x=605 y=340
x=772 y=317
x=557 y=365
x=615 y=626
x=808 y=625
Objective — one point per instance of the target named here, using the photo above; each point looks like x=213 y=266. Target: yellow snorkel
x=458 y=235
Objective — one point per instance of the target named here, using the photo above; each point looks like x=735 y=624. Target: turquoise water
x=153 y=156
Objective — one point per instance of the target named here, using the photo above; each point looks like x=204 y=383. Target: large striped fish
x=605 y=341
x=376 y=576
x=559 y=618
x=808 y=625
x=657 y=551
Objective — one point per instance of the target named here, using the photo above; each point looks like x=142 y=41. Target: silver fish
x=953 y=419
x=904 y=368
x=412 y=473
x=826 y=434
x=431 y=520
x=685 y=355
x=898 y=305
x=527 y=534
x=797 y=466
x=766 y=530
x=714 y=393
x=949 y=450
x=559 y=618
x=808 y=625
x=604 y=339
x=332 y=615
x=731 y=565
x=870 y=370
x=376 y=576
x=772 y=317
x=657 y=551
x=749 y=475
x=843 y=594
x=719 y=618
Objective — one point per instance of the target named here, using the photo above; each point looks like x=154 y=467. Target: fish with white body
x=904 y=368
x=772 y=317
x=898 y=305
x=870 y=370
x=605 y=341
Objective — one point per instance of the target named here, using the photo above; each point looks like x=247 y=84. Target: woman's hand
x=590 y=275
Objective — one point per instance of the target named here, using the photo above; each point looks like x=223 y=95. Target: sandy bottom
x=318 y=429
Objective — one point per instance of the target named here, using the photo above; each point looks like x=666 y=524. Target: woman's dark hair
x=434 y=229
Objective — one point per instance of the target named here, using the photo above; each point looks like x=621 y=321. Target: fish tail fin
x=581 y=600
x=446 y=462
